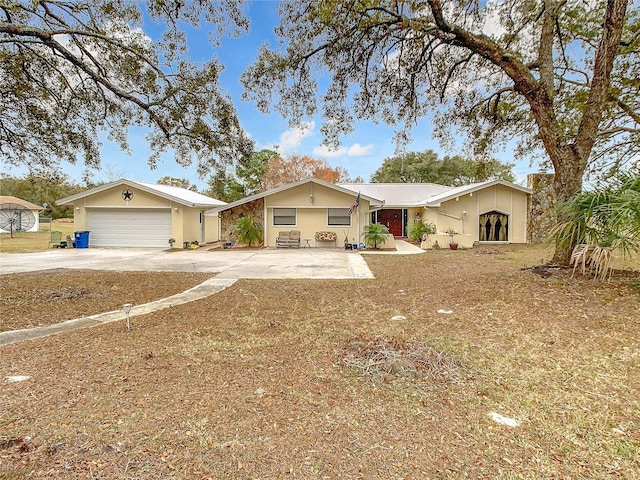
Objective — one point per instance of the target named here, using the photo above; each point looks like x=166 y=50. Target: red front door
x=393 y=221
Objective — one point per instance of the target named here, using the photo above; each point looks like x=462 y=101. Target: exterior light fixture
x=127 y=308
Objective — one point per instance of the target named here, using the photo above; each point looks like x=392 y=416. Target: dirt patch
x=250 y=383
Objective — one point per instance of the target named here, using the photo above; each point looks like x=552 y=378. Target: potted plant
x=375 y=234
x=419 y=231
x=453 y=245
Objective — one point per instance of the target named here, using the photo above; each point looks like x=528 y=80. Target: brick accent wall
x=541 y=206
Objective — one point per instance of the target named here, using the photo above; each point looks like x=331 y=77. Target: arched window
x=494 y=227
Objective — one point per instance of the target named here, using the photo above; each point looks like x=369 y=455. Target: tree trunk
x=567 y=183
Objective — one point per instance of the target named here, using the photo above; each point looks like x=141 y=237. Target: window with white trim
x=338 y=217
x=284 y=217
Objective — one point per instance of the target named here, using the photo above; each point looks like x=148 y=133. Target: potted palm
x=375 y=234
x=453 y=245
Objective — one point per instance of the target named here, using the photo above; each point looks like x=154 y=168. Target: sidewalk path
x=205 y=289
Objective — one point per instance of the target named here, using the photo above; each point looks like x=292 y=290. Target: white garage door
x=129 y=227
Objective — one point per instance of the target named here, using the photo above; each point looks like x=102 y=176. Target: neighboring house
x=491 y=211
x=128 y=213
x=25 y=216
x=310 y=206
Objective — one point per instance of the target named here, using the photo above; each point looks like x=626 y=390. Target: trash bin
x=82 y=239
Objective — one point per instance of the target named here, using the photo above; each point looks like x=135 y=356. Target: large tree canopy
x=561 y=76
x=426 y=167
x=70 y=70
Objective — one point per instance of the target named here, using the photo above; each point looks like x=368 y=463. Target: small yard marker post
x=127 y=308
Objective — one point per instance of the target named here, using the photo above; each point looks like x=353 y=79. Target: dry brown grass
x=250 y=383
x=45 y=298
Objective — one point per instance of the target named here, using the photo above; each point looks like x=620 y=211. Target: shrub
x=247 y=230
x=416 y=230
x=375 y=234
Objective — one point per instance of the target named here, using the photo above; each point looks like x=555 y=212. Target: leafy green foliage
x=415 y=230
x=41 y=190
x=71 y=70
x=247 y=231
x=375 y=234
x=426 y=167
x=178 y=182
x=606 y=216
x=247 y=179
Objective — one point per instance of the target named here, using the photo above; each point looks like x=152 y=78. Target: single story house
x=494 y=211
x=491 y=211
x=129 y=213
x=311 y=206
x=18 y=215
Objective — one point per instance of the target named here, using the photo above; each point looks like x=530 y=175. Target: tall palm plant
x=247 y=230
x=375 y=234
x=607 y=217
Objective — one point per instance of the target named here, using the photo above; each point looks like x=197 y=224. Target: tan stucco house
x=493 y=211
x=310 y=206
x=128 y=213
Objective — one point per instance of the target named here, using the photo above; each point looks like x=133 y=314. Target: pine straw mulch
x=392 y=358
x=252 y=382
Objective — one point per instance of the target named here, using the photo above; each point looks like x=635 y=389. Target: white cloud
x=323 y=151
x=293 y=137
x=355 y=150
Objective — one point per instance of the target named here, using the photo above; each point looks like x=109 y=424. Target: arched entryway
x=494 y=227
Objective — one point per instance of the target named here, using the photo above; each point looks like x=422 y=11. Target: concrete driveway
x=226 y=264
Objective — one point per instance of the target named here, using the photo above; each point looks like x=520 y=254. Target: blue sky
x=361 y=154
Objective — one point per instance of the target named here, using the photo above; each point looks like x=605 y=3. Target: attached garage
x=129 y=227
x=128 y=213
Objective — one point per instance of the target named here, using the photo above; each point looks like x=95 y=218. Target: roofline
x=125 y=181
x=273 y=191
x=474 y=188
x=24 y=203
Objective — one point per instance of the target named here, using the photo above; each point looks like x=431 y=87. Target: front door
x=392 y=219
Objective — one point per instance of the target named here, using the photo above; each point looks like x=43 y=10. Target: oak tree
x=560 y=76
x=426 y=167
x=73 y=70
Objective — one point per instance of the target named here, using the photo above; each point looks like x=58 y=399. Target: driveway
x=226 y=264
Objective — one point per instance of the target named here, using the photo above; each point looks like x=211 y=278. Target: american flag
x=354 y=207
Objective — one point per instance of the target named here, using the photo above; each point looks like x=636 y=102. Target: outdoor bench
x=289 y=238
x=327 y=237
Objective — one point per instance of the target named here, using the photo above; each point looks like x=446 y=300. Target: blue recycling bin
x=82 y=239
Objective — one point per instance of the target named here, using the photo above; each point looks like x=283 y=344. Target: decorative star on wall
x=127 y=195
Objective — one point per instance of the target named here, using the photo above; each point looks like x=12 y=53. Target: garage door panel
x=129 y=228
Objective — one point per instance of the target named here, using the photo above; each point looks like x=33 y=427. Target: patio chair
x=56 y=238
